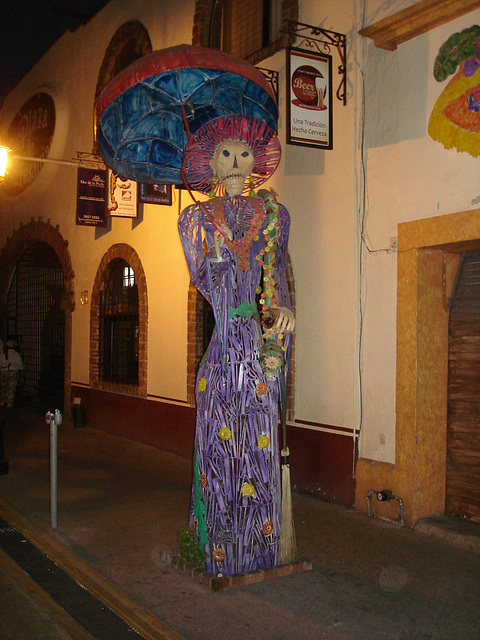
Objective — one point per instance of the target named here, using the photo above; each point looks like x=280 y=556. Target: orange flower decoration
x=193 y=526
x=218 y=555
x=261 y=388
x=267 y=528
x=203 y=480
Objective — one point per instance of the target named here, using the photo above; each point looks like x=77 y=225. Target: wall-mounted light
x=5 y=158
x=84 y=297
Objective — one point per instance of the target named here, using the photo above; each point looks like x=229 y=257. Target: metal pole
x=53 y=419
x=53 y=473
x=47 y=160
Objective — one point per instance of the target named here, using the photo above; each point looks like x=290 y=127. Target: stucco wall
x=69 y=72
x=409 y=176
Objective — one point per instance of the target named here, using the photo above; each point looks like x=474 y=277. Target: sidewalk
x=120 y=504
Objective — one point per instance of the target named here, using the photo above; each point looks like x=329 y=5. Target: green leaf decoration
x=459 y=47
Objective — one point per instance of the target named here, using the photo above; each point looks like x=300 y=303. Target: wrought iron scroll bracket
x=271 y=77
x=306 y=36
x=90 y=160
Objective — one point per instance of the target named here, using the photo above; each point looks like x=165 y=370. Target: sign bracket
x=321 y=40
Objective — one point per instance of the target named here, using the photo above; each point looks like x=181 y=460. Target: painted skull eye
x=226 y=153
x=245 y=154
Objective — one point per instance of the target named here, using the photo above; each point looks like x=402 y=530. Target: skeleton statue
x=236 y=251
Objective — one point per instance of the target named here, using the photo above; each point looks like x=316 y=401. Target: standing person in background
x=10 y=364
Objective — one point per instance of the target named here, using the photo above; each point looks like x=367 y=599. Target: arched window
x=119 y=331
x=119 y=323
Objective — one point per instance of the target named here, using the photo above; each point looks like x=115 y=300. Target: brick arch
x=195 y=306
x=16 y=245
x=129 y=31
x=130 y=256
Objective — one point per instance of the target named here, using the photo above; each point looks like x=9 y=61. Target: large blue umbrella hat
x=148 y=112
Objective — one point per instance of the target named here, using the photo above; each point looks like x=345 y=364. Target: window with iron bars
x=119 y=325
x=245 y=27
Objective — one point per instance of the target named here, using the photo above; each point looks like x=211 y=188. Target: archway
x=36 y=304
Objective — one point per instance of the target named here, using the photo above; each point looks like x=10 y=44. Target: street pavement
x=120 y=504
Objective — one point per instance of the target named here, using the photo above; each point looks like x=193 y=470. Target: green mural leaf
x=459 y=47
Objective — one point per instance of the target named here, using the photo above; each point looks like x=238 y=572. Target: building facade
x=382 y=227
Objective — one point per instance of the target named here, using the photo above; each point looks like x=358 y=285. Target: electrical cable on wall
x=360 y=189
x=364 y=244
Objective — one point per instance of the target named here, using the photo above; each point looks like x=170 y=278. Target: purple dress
x=235 y=510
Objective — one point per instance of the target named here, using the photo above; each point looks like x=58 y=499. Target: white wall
x=408 y=176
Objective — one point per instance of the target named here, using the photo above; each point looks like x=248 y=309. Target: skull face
x=232 y=162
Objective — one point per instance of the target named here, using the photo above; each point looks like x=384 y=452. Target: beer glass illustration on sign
x=321 y=87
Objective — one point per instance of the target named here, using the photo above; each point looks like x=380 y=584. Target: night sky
x=28 y=28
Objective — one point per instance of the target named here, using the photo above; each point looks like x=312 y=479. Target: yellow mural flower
x=248 y=490
x=224 y=433
x=263 y=442
x=202 y=384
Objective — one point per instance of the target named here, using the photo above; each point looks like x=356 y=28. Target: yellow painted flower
x=263 y=442
x=248 y=490
x=224 y=433
x=202 y=384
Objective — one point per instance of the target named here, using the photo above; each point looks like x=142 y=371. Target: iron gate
x=37 y=322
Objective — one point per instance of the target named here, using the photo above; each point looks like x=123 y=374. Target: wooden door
x=463 y=423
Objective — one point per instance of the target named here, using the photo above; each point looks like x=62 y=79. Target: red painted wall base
x=321 y=465
x=166 y=426
x=320 y=462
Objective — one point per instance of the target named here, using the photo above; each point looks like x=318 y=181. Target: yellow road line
x=133 y=614
x=54 y=611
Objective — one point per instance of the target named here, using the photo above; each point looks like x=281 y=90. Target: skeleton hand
x=284 y=319
x=218 y=238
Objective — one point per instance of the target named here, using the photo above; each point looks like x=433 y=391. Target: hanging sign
x=309 y=99
x=121 y=196
x=91 y=204
x=155 y=193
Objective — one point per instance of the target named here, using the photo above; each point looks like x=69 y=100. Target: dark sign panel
x=91 y=197
x=30 y=134
x=155 y=193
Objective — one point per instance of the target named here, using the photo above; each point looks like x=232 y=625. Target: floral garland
x=266 y=259
x=272 y=351
x=242 y=247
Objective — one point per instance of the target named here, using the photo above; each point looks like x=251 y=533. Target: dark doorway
x=37 y=321
x=463 y=418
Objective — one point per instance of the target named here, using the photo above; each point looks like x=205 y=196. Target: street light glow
x=3 y=160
